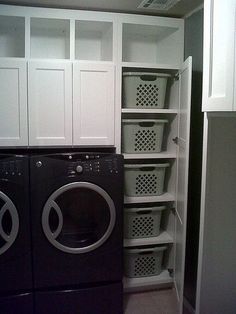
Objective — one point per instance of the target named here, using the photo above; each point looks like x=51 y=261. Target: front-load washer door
x=78 y=217
x=9 y=223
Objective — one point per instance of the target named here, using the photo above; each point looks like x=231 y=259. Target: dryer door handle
x=10 y=236
x=53 y=206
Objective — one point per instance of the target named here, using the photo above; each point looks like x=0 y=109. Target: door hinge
x=171 y=272
x=175 y=140
x=176 y=77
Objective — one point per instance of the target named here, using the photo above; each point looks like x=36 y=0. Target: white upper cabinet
x=13 y=103
x=93 y=104
x=219 y=60
x=50 y=103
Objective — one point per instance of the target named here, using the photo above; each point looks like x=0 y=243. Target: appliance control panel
x=11 y=168
x=96 y=164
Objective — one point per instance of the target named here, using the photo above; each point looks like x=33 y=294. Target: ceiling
x=182 y=8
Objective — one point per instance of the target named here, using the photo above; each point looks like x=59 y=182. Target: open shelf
x=162 y=155
x=147 y=283
x=152 y=44
x=154 y=111
x=12 y=37
x=49 y=38
x=157 y=66
x=163 y=237
x=166 y=197
x=93 y=40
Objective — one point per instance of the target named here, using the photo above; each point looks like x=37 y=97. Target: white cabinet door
x=182 y=175
x=50 y=103
x=93 y=104
x=13 y=103
x=218 y=58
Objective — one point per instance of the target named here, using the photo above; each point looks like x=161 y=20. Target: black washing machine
x=15 y=244
x=77 y=202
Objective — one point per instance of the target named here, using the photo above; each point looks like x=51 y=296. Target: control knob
x=79 y=169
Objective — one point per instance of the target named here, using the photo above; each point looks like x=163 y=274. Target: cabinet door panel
x=182 y=176
x=50 y=103
x=93 y=104
x=218 y=73
x=13 y=98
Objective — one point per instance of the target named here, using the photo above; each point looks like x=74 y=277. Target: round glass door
x=9 y=223
x=78 y=217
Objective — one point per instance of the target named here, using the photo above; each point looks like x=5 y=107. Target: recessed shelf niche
x=50 y=38
x=93 y=40
x=152 y=44
x=12 y=36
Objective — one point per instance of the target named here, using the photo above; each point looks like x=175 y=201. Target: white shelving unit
x=82 y=55
x=143 y=51
x=157 y=46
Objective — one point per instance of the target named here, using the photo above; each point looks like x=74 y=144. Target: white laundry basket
x=145 y=179
x=144 y=90
x=142 y=136
x=143 y=262
x=142 y=222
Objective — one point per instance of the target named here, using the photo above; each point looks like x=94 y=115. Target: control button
x=39 y=164
x=71 y=172
x=87 y=156
x=79 y=169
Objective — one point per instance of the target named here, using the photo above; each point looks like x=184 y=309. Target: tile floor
x=152 y=302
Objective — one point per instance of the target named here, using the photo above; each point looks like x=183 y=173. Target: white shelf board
x=163 y=237
x=150 y=156
x=144 y=283
x=142 y=111
x=151 y=65
x=166 y=197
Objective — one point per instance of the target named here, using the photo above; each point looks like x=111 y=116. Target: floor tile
x=152 y=302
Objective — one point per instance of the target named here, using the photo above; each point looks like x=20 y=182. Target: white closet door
x=218 y=66
x=50 y=103
x=13 y=100
x=182 y=175
x=93 y=104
